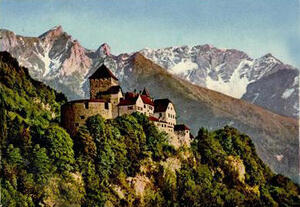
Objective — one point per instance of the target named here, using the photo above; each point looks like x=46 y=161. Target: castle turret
x=101 y=81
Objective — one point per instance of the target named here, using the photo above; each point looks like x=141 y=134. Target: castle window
x=106 y=106
x=82 y=117
x=144 y=106
x=86 y=105
x=160 y=114
x=130 y=107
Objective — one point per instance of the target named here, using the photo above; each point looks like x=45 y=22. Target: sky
x=256 y=27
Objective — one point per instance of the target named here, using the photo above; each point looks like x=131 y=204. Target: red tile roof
x=152 y=118
x=126 y=102
x=130 y=99
x=147 y=100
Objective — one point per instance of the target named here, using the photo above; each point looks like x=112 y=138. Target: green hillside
x=121 y=162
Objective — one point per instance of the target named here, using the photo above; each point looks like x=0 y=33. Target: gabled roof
x=161 y=105
x=111 y=90
x=103 y=72
x=130 y=99
x=146 y=92
x=180 y=127
x=147 y=100
x=114 y=89
x=126 y=102
x=152 y=118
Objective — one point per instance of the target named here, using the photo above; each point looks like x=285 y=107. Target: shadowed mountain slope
x=273 y=135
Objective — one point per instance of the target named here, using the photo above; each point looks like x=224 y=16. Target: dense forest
x=121 y=162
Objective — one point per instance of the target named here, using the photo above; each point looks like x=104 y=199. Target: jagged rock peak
x=7 y=32
x=103 y=50
x=54 y=32
x=269 y=58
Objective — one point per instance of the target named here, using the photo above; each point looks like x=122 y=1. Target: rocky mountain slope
x=265 y=81
x=54 y=58
x=60 y=61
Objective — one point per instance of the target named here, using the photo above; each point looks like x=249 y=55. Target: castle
x=108 y=100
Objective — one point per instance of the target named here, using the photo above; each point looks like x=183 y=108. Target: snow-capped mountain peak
x=63 y=63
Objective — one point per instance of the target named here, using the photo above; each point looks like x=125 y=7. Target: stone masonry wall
x=101 y=85
x=74 y=114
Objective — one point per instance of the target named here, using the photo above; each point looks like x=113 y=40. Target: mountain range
x=194 y=78
x=60 y=61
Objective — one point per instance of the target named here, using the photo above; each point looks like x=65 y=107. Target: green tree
x=60 y=147
x=41 y=165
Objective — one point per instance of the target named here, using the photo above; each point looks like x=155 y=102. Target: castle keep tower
x=102 y=81
x=105 y=86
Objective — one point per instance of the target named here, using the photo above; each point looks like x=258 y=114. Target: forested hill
x=120 y=162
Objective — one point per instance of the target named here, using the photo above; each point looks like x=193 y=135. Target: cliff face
x=54 y=58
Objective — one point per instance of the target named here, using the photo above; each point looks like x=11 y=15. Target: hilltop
x=121 y=162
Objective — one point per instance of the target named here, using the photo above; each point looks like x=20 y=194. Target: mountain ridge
x=55 y=56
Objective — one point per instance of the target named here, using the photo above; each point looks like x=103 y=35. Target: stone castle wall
x=164 y=126
x=101 y=85
x=74 y=114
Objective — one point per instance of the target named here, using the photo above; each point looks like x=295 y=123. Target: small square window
x=82 y=117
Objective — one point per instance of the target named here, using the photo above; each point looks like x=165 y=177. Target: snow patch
x=256 y=96
x=217 y=68
x=235 y=87
x=183 y=67
x=279 y=157
x=55 y=63
x=45 y=59
x=296 y=81
x=287 y=93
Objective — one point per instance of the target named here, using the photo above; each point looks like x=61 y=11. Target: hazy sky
x=254 y=26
